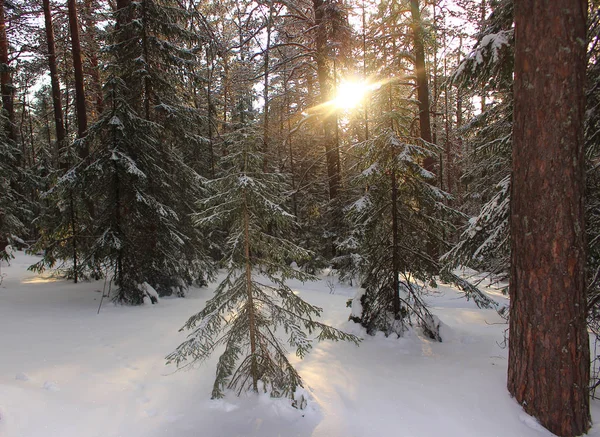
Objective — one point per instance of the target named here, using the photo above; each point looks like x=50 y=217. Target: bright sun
x=350 y=94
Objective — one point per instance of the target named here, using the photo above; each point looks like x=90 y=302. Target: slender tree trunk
x=118 y=275
x=266 y=127
x=73 y=219
x=421 y=75
x=326 y=85
x=289 y=144
x=145 y=48
x=123 y=19
x=395 y=258
x=47 y=128
x=434 y=106
x=31 y=137
x=250 y=304
x=22 y=135
x=365 y=71
x=6 y=87
x=209 y=103
x=91 y=36
x=226 y=91
x=67 y=106
x=483 y=17
x=548 y=367
x=80 y=105
x=123 y=16
x=59 y=123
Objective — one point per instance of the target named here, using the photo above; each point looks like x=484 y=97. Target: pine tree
x=548 y=362
x=248 y=308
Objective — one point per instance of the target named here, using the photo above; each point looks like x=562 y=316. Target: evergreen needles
x=252 y=303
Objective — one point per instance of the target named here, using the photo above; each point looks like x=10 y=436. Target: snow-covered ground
x=66 y=371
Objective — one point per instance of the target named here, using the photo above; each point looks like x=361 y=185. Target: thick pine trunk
x=78 y=70
x=326 y=85
x=421 y=76
x=549 y=364
x=56 y=99
x=6 y=87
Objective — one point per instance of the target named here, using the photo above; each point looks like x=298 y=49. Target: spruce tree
x=143 y=190
x=484 y=243
x=394 y=224
x=253 y=301
x=12 y=204
x=401 y=215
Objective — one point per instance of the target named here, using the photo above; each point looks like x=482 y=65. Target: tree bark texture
x=395 y=258
x=56 y=99
x=326 y=86
x=6 y=87
x=78 y=69
x=548 y=369
x=421 y=76
x=250 y=303
x=91 y=36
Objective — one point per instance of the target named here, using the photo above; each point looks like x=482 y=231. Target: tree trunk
x=266 y=84
x=91 y=36
x=324 y=75
x=395 y=258
x=209 y=103
x=364 y=67
x=250 y=304
x=421 y=76
x=6 y=87
x=56 y=99
x=548 y=367
x=145 y=48
x=78 y=69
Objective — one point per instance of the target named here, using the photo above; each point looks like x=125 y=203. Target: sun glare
x=351 y=94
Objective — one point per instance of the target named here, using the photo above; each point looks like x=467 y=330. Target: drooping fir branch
x=484 y=242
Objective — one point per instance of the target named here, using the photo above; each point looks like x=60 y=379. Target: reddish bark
x=92 y=54
x=549 y=346
x=80 y=105
x=421 y=76
x=56 y=99
x=326 y=87
x=6 y=87
x=123 y=15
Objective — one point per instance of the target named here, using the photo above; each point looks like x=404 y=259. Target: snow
x=150 y=294
x=369 y=171
x=496 y=41
x=67 y=372
x=116 y=121
x=361 y=203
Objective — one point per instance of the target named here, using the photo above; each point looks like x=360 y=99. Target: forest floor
x=67 y=372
